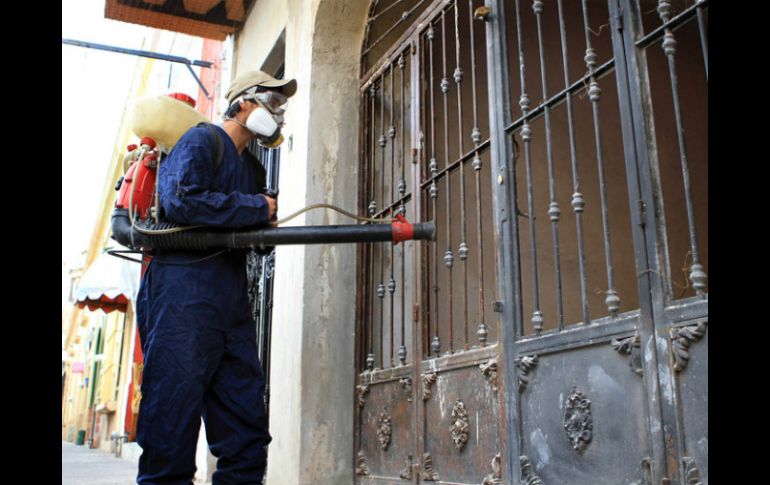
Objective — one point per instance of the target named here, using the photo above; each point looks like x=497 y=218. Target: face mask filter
x=265 y=127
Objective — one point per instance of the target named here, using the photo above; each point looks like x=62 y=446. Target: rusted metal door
x=428 y=387
x=544 y=336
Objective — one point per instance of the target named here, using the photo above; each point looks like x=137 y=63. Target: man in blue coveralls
x=198 y=336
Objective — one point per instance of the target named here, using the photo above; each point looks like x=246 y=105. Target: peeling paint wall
x=312 y=369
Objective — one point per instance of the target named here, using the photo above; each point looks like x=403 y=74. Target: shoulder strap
x=218 y=140
x=220 y=153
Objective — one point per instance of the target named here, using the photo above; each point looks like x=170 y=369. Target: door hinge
x=642 y=212
x=415 y=312
x=497 y=307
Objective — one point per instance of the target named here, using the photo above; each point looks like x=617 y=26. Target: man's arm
x=184 y=186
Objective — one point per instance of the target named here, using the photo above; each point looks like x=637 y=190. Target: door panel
x=693 y=387
x=461 y=415
x=386 y=417
x=593 y=391
x=430 y=87
x=667 y=83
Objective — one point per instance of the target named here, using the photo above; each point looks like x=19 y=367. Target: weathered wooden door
x=544 y=336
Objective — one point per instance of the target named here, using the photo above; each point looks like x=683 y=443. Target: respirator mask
x=266 y=123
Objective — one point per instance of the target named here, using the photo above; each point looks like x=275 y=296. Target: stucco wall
x=312 y=368
x=260 y=32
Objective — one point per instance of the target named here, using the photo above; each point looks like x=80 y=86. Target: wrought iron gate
x=546 y=139
x=260 y=269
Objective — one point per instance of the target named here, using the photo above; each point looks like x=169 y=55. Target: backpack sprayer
x=160 y=122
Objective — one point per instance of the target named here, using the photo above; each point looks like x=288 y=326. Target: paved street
x=83 y=466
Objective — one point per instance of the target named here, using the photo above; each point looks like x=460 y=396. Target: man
x=197 y=333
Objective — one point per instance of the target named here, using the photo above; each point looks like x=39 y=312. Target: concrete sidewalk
x=83 y=466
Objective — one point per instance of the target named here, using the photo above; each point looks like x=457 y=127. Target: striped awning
x=108 y=284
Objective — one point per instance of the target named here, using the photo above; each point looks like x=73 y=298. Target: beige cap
x=249 y=79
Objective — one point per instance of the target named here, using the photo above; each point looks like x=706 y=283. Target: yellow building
x=101 y=354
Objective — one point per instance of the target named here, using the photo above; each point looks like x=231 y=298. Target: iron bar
x=386 y=10
x=673 y=24
x=403 y=17
x=703 y=39
x=372 y=209
x=362 y=261
x=435 y=345
x=392 y=136
x=555 y=100
x=416 y=27
x=554 y=213
x=475 y=134
x=448 y=255
x=697 y=274
x=367 y=29
x=402 y=193
x=594 y=92
x=481 y=331
x=439 y=174
x=381 y=287
x=526 y=136
x=463 y=249
x=392 y=207
x=578 y=202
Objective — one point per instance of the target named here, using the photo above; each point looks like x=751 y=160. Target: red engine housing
x=140 y=179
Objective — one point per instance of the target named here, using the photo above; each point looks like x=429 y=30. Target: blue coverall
x=197 y=332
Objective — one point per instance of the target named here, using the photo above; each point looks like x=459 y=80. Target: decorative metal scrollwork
x=460 y=427
x=525 y=364
x=681 y=339
x=406 y=473
x=527 y=474
x=428 y=474
x=494 y=478
x=428 y=379
x=630 y=346
x=270 y=265
x=363 y=391
x=361 y=466
x=384 y=429
x=578 y=421
x=406 y=383
x=691 y=472
x=489 y=370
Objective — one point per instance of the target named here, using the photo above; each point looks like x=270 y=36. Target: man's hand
x=272 y=206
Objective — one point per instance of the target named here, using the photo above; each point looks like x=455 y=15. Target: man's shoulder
x=202 y=133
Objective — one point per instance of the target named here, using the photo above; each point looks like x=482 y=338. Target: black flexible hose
x=203 y=239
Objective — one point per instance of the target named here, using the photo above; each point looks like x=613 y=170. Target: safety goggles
x=273 y=101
